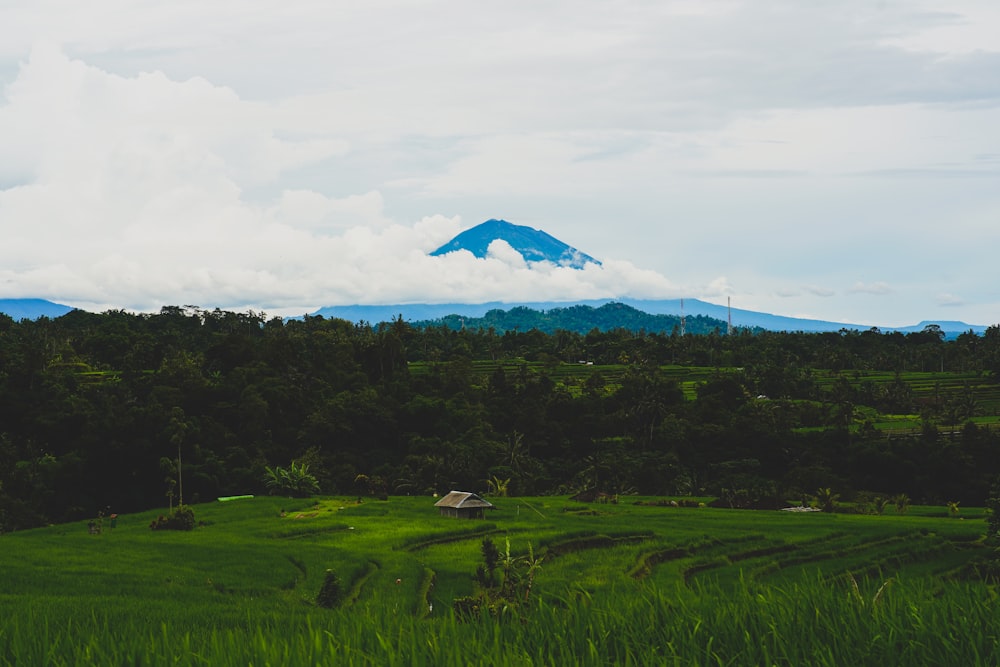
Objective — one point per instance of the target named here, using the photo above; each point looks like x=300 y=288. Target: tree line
x=96 y=410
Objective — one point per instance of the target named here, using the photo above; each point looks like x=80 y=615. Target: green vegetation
x=294 y=481
x=579 y=319
x=120 y=412
x=277 y=581
x=179 y=518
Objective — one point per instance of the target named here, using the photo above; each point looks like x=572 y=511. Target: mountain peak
x=32 y=309
x=533 y=244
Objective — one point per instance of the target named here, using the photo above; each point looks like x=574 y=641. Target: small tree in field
x=517 y=575
x=498 y=487
x=295 y=480
x=331 y=592
x=826 y=499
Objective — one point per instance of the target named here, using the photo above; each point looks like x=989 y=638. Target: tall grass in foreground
x=809 y=622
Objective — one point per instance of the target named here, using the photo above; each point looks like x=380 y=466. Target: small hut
x=463 y=505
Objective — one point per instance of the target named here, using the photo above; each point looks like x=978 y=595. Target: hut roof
x=463 y=500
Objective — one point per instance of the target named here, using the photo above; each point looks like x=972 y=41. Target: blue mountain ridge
x=420 y=312
x=32 y=309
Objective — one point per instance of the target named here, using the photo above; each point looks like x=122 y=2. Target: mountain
x=533 y=244
x=424 y=313
x=32 y=309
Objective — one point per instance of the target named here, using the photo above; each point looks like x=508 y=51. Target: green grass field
x=619 y=583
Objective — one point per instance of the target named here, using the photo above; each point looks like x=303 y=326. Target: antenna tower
x=729 y=308
x=682 y=318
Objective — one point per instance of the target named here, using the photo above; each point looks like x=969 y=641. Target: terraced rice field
x=619 y=583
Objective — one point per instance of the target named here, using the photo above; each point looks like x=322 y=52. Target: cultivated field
x=624 y=583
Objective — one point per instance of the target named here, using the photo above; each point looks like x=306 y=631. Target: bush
x=182 y=518
x=517 y=574
x=331 y=592
x=295 y=480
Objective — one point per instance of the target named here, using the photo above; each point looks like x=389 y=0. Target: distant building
x=463 y=505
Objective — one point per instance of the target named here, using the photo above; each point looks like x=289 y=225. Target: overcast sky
x=833 y=160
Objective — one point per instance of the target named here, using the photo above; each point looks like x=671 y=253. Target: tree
x=902 y=502
x=826 y=498
x=293 y=481
x=532 y=565
x=498 y=487
x=514 y=588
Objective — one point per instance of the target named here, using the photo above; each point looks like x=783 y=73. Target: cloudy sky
x=834 y=160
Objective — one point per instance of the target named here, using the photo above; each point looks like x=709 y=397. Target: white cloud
x=719 y=287
x=877 y=288
x=817 y=290
x=278 y=153
x=137 y=200
x=310 y=209
x=950 y=300
x=502 y=251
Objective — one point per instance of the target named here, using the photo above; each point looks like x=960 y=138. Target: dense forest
x=580 y=319
x=97 y=409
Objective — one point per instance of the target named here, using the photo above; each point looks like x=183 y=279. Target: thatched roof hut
x=463 y=505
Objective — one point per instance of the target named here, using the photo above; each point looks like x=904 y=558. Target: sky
x=829 y=160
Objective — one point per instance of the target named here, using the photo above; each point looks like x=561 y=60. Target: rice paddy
x=622 y=584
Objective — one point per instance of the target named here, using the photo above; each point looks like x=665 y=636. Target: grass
x=631 y=584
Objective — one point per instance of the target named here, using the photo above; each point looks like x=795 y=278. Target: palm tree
x=902 y=502
x=295 y=480
x=826 y=498
x=953 y=507
x=515 y=452
x=534 y=565
x=498 y=487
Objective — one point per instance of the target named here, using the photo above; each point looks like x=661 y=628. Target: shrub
x=517 y=575
x=331 y=592
x=181 y=518
x=295 y=480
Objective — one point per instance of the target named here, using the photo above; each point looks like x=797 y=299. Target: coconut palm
x=498 y=487
x=826 y=498
x=902 y=502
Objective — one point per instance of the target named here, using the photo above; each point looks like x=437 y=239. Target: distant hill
x=580 y=319
x=427 y=313
x=750 y=318
x=32 y=309
x=533 y=244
